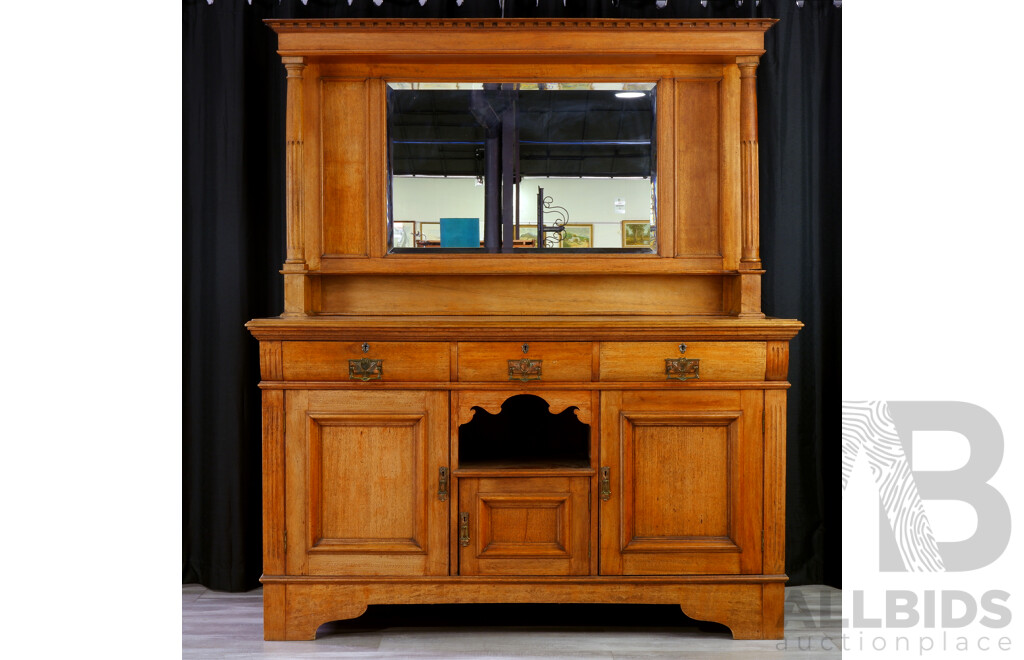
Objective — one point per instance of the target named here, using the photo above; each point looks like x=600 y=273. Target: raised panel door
x=362 y=483
x=524 y=526
x=681 y=482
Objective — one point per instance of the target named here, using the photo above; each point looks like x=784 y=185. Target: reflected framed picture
x=578 y=236
x=527 y=237
x=430 y=234
x=636 y=234
x=403 y=234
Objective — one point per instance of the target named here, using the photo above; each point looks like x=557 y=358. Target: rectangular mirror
x=538 y=167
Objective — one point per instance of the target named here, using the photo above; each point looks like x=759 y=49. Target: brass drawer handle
x=606 y=484
x=463 y=529
x=365 y=369
x=524 y=369
x=681 y=368
x=442 y=484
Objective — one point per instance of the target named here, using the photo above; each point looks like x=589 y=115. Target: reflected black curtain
x=233 y=246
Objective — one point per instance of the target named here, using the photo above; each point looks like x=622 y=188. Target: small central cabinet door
x=524 y=526
x=681 y=482
x=362 y=483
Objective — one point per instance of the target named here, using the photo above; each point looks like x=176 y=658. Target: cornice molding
x=308 y=25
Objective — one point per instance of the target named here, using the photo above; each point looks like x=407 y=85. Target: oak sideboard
x=522 y=357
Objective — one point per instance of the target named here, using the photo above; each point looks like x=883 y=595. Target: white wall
x=588 y=201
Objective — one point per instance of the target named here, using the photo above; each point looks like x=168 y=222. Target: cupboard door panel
x=525 y=526
x=684 y=482
x=365 y=469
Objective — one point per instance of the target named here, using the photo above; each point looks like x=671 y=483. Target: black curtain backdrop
x=233 y=245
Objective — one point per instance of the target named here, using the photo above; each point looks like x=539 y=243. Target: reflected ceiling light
x=628 y=95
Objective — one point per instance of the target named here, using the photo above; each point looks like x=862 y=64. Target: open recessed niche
x=524 y=434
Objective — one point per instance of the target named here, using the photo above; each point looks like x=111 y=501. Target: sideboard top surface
x=607 y=328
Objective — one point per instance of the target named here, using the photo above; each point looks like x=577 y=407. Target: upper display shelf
x=598 y=165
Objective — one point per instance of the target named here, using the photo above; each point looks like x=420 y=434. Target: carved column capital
x=294 y=66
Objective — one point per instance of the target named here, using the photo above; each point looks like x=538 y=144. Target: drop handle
x=442 y=484
x=463 y=529
x=606 y=484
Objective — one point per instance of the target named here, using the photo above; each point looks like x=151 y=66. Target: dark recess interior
x=524 y=434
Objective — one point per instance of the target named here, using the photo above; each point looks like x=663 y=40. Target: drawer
x=398 y=361
x=555 y=361
x=718 y=360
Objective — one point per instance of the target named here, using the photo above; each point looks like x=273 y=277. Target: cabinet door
x=524 y=526
x=681 y=482
x=362 y=483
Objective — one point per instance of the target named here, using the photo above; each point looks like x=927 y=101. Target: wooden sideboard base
x=750 y=606
x=543 y=427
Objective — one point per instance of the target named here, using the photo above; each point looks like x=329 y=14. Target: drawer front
x=718 y=361
x=544 y=361
x=382 y=361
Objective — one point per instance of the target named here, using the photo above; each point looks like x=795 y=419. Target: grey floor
x=224 y=625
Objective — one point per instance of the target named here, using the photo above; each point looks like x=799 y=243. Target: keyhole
x=526 y=348
x=365 y=347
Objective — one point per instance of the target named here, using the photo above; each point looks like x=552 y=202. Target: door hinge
x=463 y=529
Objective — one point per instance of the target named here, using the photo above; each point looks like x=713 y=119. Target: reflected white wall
x=588 y=201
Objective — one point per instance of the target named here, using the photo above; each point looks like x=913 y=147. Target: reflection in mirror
x=502 y=167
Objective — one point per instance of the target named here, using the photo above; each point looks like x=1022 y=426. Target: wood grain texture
x=345 y=134
x=402 y=361
x=526 y=294
x=376 y=168
x=721 y=361
x=734 y=601
x=294 y=165
x=560 y=361
x=271 y=363
x=773 y=615
x=365 y=484
x=312 y=174
x=712 y=440
x=695 y=504
x=665 y=209
x=273 y=482
x=777 y=360
x=605 y=37
x=736 y=606
x=697 y=167
x=526 y=525
x=775 y=481
x=505 y=327
x=730 y=182
x=491 y=400
x=751 y=256
x=275 y=613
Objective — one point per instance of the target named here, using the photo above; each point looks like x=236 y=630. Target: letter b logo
x=883 y=431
